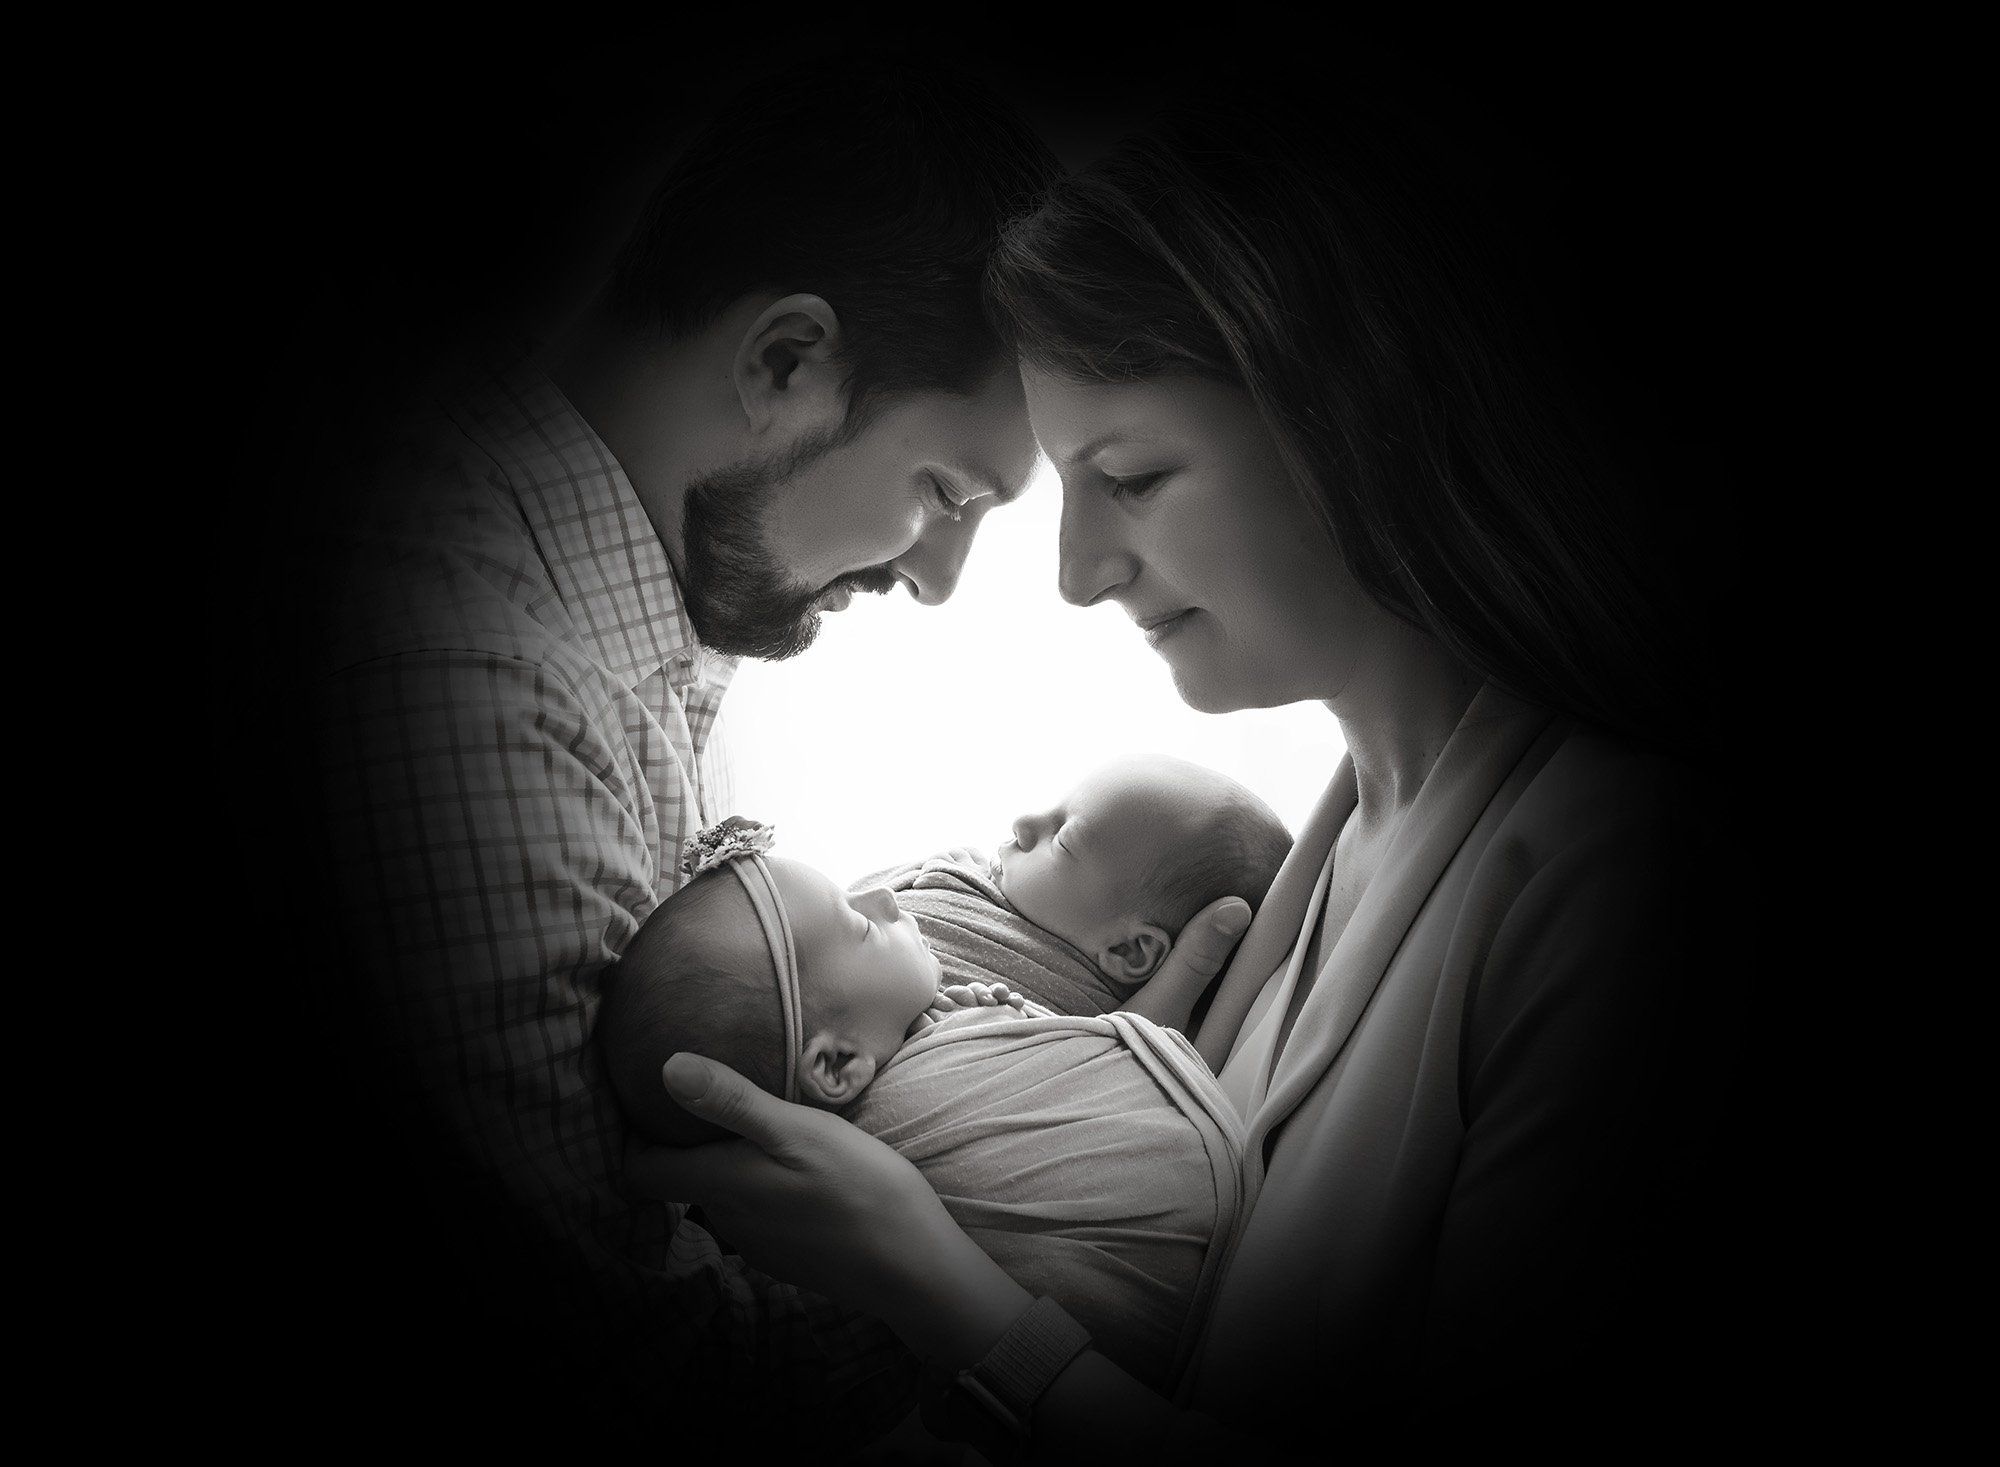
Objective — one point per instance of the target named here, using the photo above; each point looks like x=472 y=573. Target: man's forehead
x=1001 y=459
x=983 y=436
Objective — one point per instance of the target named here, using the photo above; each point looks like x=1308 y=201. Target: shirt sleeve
x=1572 y=1240
x=490 y=858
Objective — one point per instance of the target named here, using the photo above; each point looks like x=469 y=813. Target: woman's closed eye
x=1133 y=486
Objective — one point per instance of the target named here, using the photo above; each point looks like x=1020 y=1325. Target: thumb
x=1206 y=943
x=711 y=1090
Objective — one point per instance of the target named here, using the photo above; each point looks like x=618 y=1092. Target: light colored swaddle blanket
x=979 y=937
x=1094 y=1158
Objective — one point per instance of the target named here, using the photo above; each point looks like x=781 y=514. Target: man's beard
x=740 y=599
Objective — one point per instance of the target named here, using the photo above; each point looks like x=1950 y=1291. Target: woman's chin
x=1207 y=688
x=1205 y=692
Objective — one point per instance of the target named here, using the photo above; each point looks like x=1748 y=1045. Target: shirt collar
x=602 y=553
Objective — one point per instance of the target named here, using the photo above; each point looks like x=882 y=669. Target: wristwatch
x=1022 y=1364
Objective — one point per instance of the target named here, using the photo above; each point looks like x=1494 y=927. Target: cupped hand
x=1197 y=956
x=804 y=1196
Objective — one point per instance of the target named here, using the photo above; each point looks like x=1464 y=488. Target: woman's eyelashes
x=1133 y=486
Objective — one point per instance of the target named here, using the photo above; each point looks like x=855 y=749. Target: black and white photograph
x=993 y=743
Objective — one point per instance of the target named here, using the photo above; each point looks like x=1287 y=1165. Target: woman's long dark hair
x=1319 y=263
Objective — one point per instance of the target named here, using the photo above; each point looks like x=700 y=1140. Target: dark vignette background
x=380 y=207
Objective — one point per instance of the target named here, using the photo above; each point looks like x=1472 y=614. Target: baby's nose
x=1024 y=832
x=878 y=904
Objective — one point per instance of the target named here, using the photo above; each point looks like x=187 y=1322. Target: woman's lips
x=1162 y=627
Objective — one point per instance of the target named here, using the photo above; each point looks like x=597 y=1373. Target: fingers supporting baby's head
x=1227 y=842
x=696 y=977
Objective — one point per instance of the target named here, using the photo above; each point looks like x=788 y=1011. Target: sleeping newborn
x=1094 y=1156
x=1081 y=905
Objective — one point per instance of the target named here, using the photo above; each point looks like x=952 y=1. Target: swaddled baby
x=1082 y=903
x=1093 y=1156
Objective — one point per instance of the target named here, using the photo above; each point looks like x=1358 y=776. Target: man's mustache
x=879 y=579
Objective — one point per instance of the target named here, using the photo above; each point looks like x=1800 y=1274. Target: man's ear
x=833 y=1070
x=785 y=371
x=1136 y=955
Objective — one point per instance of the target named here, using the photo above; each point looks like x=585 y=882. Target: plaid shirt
x=516 y=730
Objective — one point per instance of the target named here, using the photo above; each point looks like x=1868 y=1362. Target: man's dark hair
x=884 y=195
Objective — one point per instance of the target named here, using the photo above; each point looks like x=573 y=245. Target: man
x=786 y=393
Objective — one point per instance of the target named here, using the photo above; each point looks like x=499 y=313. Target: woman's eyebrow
x=1098 y=444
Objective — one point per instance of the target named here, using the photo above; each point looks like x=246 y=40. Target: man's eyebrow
x=990 y=483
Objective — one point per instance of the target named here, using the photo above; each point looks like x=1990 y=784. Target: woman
x=1296 y=449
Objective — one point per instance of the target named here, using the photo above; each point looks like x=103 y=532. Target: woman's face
x=1177 y=506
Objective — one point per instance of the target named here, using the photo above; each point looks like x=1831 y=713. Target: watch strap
x=1024 y=1362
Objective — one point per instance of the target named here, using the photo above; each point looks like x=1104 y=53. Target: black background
x=382 y=201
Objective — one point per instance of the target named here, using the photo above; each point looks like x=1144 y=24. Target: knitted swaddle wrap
x=1094 y=1158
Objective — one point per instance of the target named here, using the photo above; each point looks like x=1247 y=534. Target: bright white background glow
x=907 y=729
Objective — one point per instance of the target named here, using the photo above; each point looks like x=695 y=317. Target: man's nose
x=932 y=565
x=1094 y=562
x=878 y=904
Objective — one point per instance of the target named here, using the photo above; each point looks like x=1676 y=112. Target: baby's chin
x=1010 y=890
x=920 y=1020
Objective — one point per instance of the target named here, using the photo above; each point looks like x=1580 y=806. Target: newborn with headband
x=1093 y=1156
x=771 y=967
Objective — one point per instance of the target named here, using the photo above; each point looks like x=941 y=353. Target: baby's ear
x=833 y=1070
x=1137 y=955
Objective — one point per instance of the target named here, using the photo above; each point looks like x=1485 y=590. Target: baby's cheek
x=1105 y=891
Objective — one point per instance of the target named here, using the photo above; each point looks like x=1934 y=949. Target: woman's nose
x=878 y=904
x=1094 y=562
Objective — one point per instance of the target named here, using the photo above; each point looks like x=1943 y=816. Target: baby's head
x=700 y=975
x=1121 y=863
